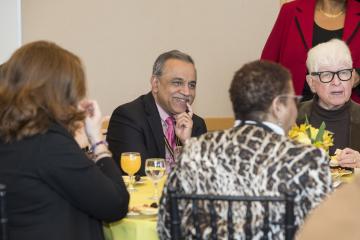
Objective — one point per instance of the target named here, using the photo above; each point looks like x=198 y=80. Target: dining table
x=141 y=226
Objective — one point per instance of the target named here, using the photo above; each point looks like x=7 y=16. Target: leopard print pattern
x=246 y=160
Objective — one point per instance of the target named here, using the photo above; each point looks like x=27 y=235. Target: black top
x=55 y=192
x=337 y=122
x=136 y=127
x=320 y=35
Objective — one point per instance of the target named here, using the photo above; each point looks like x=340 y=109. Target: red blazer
x=291 y=38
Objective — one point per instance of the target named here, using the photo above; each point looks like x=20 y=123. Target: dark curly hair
x=254 y=87
x=41 y=83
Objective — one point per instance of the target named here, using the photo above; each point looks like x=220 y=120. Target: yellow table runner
x=138 y=227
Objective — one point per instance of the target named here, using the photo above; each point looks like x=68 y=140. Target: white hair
x=332 y=53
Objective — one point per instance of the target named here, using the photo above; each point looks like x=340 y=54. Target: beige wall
x=119 y=40
x=10 y=29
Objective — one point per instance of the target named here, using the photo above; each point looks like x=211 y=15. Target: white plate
x=143 y=213
x=336 y=183
x=149 y=211
x=141 y=181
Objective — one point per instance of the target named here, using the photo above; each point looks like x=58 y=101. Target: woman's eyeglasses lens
x=297 y=98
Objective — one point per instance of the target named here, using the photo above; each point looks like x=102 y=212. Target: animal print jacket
x=245 y=160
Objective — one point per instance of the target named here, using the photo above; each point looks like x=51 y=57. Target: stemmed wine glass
x=155 y=169
x=130 y=163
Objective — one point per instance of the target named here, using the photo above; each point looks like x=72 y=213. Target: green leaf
x=306 y=120
x=320 y=135
x=308 y=131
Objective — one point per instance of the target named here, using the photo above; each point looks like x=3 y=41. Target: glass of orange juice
x=130 y=163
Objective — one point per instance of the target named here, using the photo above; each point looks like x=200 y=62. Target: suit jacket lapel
x=354 y=126
x=352 y=19
x=305 y=16
x=153 y=118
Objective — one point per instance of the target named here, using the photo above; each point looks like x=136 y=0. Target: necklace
x=329 y=15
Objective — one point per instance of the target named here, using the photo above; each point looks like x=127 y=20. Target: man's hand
x=184 y=124
x=349 y=158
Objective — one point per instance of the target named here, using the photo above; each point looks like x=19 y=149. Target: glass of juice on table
x=130 y=163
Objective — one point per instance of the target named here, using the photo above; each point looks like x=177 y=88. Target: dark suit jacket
x=354 y=141
x=292 y=35
x=136 y=127
x=55 y=192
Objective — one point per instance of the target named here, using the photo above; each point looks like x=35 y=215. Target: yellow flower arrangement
x=307 y=134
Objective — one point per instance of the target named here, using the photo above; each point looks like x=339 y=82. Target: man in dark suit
x=155 y=123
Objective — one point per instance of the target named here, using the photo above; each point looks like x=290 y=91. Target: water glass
x=155 y=169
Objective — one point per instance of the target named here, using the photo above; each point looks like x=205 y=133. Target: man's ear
x=310 y=81
x=154 y=84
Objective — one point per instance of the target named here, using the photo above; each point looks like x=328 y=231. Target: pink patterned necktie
x=170 y=132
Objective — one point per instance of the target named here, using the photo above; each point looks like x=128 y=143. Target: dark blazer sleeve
x=97 y=189
x=125 y=134
x=304 y=112
x=199 y=126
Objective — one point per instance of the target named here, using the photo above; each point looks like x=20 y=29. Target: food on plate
x=340 y=172
x=154 y=205
x=145 y=209
x=137 y=178
x=334 y=162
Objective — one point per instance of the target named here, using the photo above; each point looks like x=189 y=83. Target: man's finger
x=190 y=110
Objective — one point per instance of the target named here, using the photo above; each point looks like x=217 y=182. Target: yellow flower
x=314 y=132
x=303 y=138
x=307 y=134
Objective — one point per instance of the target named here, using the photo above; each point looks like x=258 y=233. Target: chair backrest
x=219 y=123
x=3 y=216
x=287 y=224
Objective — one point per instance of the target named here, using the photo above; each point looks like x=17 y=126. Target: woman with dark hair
x=255 y=158
x=55 y=191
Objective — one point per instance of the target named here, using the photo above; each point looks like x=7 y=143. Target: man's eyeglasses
x=328 y=76
x=297 y=98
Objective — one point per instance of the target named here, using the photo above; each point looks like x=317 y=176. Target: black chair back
x=3 y=216
x=287 y=224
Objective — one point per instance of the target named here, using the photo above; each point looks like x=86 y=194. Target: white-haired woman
x=331 y=78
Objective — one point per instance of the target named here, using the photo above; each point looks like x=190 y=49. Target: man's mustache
x=187 y=99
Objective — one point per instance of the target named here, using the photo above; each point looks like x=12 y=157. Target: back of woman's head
x=41 y=83
x=254 y=87
x=332 y=53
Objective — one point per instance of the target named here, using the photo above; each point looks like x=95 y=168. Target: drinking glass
x=130 y=163
x=155 y=169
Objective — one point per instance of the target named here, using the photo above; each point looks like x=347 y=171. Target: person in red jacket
x=302 y=24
